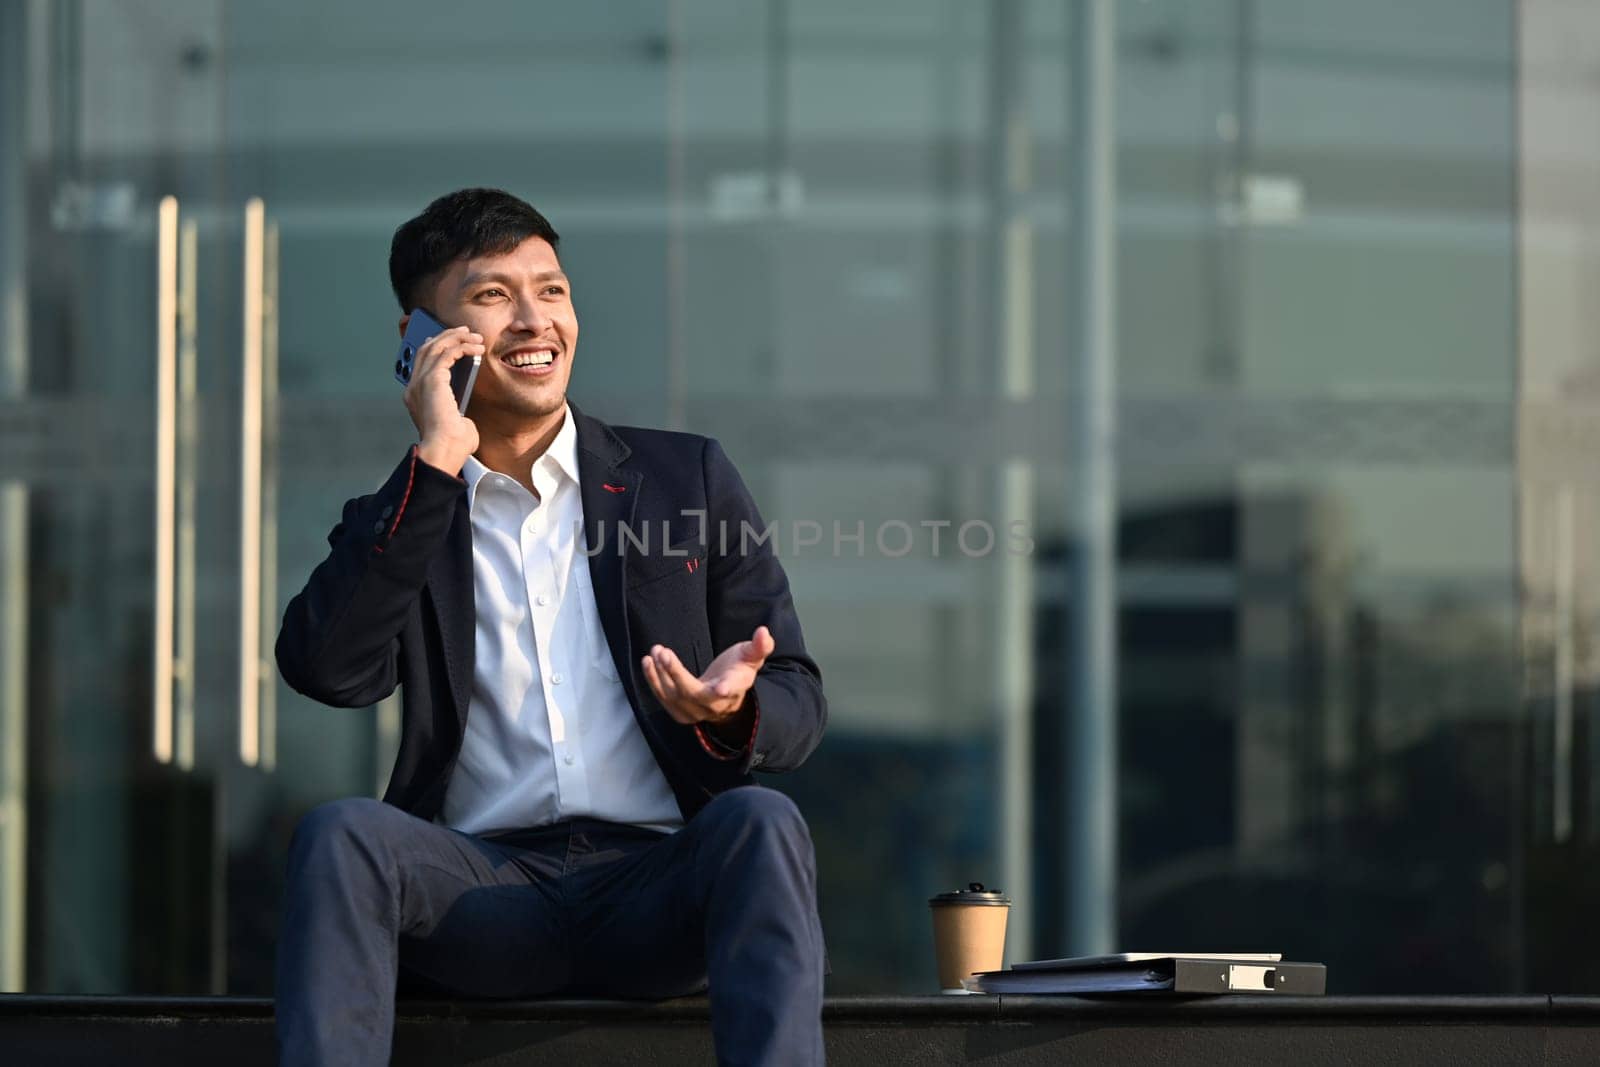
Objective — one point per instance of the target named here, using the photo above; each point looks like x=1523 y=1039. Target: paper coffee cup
x=969 y=933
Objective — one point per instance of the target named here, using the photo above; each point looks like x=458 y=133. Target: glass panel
x=1559 y=199
x=122 y=848
x=833 y=205
x=1353 y=597
x=1322 y=749
x=428 y=100
x=342 y=121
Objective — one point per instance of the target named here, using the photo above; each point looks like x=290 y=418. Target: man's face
x=521 y=302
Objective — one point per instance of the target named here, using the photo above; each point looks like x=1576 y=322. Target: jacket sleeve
x=746 y=588
x=339 y=643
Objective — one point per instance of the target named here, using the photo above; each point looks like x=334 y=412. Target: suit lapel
x=610 y=494
x=600 y=453
x=450 y=586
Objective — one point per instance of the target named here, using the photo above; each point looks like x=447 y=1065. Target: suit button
x=377 y=527
x=388 y=511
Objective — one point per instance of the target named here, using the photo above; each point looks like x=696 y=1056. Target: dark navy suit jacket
x=393 y=605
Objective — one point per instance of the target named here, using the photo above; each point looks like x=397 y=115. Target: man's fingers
x=447 y=347
x=441 y=361
x=428 y=352
x=445 y=338
x=697 y=699
x=660 y=680
x=683 y=683
x=759 y=647
x=430 y=375
x=653 y=676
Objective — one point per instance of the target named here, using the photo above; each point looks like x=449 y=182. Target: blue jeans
x=377 y=897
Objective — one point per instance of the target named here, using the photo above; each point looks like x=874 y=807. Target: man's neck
x=514 y=454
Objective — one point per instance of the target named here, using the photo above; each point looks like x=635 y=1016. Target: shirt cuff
x=716 y=748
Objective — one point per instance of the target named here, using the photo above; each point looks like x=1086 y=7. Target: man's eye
x=556 y=289
x=492 y=292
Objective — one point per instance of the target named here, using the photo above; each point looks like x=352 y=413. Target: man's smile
x=531 y=360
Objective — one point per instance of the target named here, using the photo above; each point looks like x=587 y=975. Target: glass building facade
x=1178 y=417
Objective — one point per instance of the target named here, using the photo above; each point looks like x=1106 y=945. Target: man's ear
x=404 y=319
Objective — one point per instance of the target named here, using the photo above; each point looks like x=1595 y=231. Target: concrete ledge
x=867 y=1030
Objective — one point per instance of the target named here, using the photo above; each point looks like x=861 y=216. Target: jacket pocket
x=686 y=557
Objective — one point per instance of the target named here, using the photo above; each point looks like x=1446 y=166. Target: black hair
x=467 y=222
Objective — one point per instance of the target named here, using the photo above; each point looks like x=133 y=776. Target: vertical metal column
x=1010 y=178
x=172 y=673
x=1091 y=759
x=188 y=473
x=267 y=678
x=13 y=501
x=250 y=487
x=165 y=590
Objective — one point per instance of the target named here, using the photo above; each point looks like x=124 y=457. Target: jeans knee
x=756 y=808
x=755 y=856
x=337 y=824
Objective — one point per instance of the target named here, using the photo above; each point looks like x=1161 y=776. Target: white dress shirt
x=550 y=734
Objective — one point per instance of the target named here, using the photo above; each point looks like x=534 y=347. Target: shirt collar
x=563 y=452
x=564 y=449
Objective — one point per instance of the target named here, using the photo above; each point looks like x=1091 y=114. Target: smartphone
x=463 y=372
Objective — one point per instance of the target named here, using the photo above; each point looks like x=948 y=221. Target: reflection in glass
x=1351 y=592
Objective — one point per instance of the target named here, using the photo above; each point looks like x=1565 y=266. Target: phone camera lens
x=401 y=369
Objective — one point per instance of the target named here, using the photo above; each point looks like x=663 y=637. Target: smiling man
x=571 y=810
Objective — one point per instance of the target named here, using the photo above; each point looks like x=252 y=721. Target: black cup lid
x=973 y=894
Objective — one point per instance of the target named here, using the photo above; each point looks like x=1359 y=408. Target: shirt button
x=567 y=759
x=557 y=678
x=541 y=600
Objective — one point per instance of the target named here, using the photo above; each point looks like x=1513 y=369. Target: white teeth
x=530 y=359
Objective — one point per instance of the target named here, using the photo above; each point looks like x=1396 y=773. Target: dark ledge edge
x=924 y=1011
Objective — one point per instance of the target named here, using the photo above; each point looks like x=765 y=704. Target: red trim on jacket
x=411 y=477
x=717 y=749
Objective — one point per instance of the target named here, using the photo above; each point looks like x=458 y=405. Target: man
x=571 y=809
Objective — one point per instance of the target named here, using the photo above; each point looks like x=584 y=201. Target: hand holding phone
x=420 y=329
x=439 y=366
